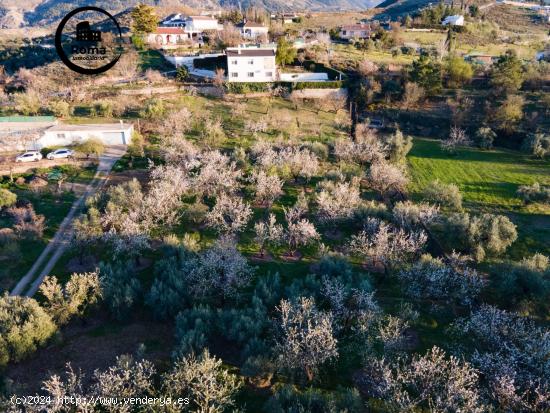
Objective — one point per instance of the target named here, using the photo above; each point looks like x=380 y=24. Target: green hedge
x=247 y=87
x=333 y=84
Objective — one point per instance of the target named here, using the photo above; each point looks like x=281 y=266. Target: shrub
x=484 y=138
x=537 y=144
x=182 y=72
x=103 y=108
x=443 y=194
x=153 y=109
x=7 y=198
x=91 y=146
x=534 y=193
x=60 y=108
x=459 y=71
x=27 y=103
x=27 y=223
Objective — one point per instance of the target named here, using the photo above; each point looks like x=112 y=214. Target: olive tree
x=482 y=235
x=443 y=194
x=24 y=326
x=63 y=302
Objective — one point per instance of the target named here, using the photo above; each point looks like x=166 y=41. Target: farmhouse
x=252 y=31
x=108 y=133
x=251 y=64
x=35 y=132
x=355 y=31
x=456 y=20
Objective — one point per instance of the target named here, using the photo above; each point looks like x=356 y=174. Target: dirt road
x=59 y=243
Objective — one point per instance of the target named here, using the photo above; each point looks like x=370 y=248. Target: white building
x=355 y=31
x=201 y=24
x=252 y=31
x=251 y=64
x=456 y=20
x=174 y=20
x=108 y=133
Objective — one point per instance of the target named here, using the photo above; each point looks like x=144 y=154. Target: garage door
x=114 y=138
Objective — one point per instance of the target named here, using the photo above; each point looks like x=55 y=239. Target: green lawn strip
x=488 y=181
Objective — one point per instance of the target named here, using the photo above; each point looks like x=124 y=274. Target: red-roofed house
x=168 y=35
x=355 y=31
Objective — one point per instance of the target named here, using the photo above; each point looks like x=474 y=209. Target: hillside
x=44 y=12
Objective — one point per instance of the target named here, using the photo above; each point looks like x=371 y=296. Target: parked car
x=60 y=153
x=29 y=156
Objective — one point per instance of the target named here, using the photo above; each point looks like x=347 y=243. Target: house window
x=233 y=62
x=234 y=74
x=269 y=74
x=251 y=62
x=250 y=74
x=61 y=135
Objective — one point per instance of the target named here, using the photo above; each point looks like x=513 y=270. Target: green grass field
x=488 y=181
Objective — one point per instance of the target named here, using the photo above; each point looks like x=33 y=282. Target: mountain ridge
x=46 y=12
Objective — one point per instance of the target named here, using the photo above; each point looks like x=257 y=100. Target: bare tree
x=338 y=200
x=386 y=178
x=268 y=188
x=208 y=385
x=230 y=214
x=306 y=339
x=432 y=381
x=457 y=137
x=268 y=233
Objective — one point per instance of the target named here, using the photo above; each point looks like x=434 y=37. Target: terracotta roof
x=169 y=30
x=250 y=52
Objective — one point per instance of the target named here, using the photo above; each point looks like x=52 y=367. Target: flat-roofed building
x=251 y=64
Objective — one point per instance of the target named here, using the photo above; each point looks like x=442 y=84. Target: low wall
x=303 y=77
x=318 y=93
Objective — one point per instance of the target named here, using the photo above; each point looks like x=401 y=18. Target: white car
x=60 y=153
x=29 y=156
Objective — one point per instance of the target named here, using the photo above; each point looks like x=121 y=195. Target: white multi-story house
x=251 y=64
x=355 y=31
x=252 y=31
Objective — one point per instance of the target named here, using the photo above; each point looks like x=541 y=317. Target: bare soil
x=92 y=345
